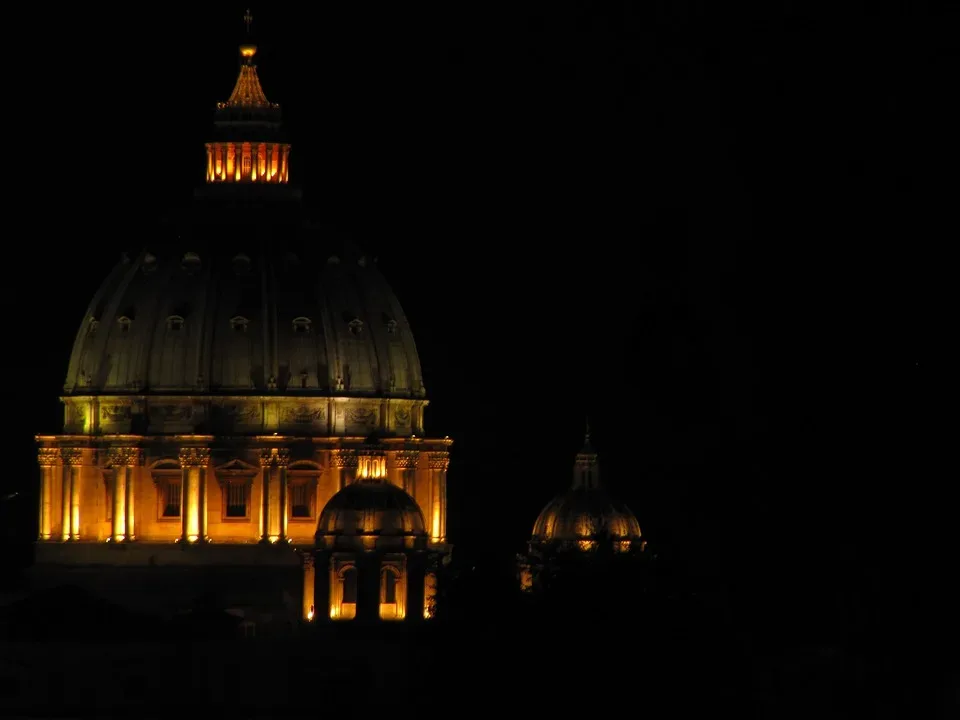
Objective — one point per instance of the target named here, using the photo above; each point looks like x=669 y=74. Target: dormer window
x=190 y=262
x=391 y=327
x=92 y=326
x=356 y=326
x=175 y=323
x=124 y=323
x=301 y=325
x=239 y=324
x=241 y=264
x=149 y=263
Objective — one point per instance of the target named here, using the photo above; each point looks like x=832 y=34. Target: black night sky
x=698 y=225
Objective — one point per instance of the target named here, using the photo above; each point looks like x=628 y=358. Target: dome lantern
x=249 y=147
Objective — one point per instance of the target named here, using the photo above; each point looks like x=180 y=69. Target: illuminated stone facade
x=579 y=523
x=218 y=399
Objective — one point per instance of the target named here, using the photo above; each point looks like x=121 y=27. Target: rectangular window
x=170 y=498
x=235 y=499
x=300 y=497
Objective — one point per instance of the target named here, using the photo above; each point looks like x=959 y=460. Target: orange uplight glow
x=244 y=162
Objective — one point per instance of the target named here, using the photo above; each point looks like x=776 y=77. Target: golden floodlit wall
x=243 y=496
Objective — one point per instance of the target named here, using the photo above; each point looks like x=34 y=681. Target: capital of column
x=407 y=459
x=194 y=457
x=343 y=459
x=127 y=456
x=72 y=456
x=439 y=460
x=275 y=457
x=48 y=457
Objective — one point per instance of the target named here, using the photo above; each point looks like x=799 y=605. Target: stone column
x=193 y=460
x=274 y=462
x=48 y=458
x=117 y=459
x=368 y=587
x=65 y=494
x=134 y=460
x=439 y=462
x=124 y=461
x=415 y=588
x=73 y=462
x=266 y=462
x=407 y=467
x=203 y=503
x=283 y=460
x=309 y=587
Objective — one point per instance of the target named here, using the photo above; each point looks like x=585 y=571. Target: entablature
x=341 y=415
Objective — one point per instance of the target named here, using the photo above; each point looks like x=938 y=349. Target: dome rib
x=207 y=327
x=372 y=325
x=84 y=341
x=151 y=318
x=152 y=359
x=108 y=329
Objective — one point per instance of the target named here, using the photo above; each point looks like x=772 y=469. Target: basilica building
x=244 y=410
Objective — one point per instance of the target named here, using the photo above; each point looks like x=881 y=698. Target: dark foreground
x=659 y=661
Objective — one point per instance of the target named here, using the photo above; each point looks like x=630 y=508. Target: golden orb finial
x=248 y=49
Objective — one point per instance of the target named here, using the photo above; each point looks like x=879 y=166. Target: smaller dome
x=585 y=514
x=371 y=514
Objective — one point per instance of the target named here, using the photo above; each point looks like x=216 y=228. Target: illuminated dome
x=248 y=320
x=586 y=513
x=371 y=513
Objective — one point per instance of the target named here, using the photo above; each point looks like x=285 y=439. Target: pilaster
x=49 y=459
x=273 y=523
x=193 y=461
x=124 y=461
x=406 y=462
x=73 y=466
x=344 y=463
x=439 y=461
x=309 y=587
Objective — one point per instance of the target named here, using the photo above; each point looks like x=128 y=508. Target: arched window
x=124 y=323
x=350 y=585
x=175 y=323
x=301 y=325
x=389 y=586
x=190 y=262
x=391 y=594
x=343 y=604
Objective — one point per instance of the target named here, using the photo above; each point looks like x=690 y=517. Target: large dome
x=237 y=321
